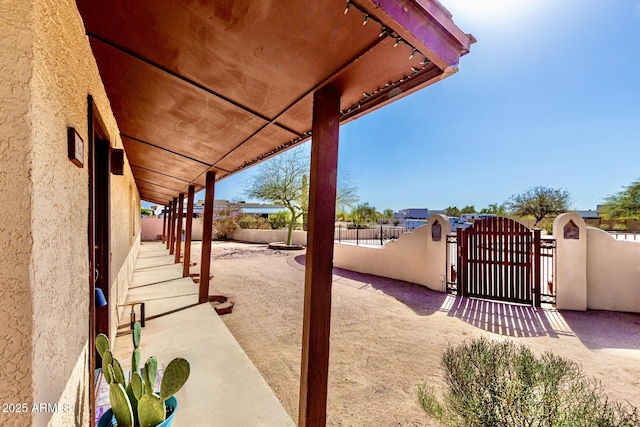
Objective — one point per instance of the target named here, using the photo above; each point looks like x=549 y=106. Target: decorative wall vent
x=571 y=231
x=436 y=231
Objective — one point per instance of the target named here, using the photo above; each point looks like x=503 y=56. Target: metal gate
x=500 y=259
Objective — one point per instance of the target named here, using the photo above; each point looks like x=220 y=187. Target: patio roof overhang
x=219 y=86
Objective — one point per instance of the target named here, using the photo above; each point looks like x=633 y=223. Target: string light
x=388 y=87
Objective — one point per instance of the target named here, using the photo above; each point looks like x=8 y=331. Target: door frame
x=98 y=232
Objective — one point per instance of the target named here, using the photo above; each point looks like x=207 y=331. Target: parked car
x=457 y=223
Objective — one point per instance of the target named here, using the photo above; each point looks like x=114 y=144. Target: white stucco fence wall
x=415 y=257
x=268 y=236
x=613 y=272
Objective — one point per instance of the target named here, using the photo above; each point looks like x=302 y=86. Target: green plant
x=255 y=222
x=135 y=403
x=503 y=384
x=279 y=220
x=619 y=226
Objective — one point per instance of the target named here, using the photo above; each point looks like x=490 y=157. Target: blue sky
x=549 y=95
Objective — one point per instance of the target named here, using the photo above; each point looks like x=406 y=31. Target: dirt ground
x=387 y=336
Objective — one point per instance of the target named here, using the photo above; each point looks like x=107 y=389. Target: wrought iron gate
x=501 y=259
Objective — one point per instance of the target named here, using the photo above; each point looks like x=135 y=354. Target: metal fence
x=373 y=236
x=633 y=236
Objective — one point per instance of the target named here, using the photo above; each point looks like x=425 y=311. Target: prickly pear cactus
x=150 y=374
x=137 y=330
x=102 y=344
x=118 y=373
x=151 y=410
x=135 y=356
x=108 y=374
x=137 y=385
x=120 y=405
x=175 y=375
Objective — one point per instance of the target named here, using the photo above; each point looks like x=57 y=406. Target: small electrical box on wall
x=76 y=147
x=117 y=161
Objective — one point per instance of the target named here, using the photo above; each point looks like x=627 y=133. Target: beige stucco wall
x=151 y=228
x=47 y=72
x=16 y=70
x=613 y=272
x=413 y=257
x=268 y=236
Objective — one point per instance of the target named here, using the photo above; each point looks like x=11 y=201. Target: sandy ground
x=388 y=336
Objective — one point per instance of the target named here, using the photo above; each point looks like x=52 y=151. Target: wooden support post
x=319 y=262
x=179 y=227
x=169 y=224
x=164 y=224
x=187 y=232
x=172 y=233
x=207 y=232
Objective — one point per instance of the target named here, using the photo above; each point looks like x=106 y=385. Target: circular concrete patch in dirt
x=283 y=246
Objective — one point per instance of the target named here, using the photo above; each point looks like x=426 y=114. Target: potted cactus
x=135 y=403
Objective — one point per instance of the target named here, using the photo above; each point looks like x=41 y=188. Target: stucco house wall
x=16 y=146
x=47 y=72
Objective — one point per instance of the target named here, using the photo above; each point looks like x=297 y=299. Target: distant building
x=586 y=215
x=263 y=210
x=412 y=213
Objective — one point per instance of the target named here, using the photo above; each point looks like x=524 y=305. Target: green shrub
x=280 y=220
x=619 y=226
x=548 y=227
x=504 y=384
x=254 y=222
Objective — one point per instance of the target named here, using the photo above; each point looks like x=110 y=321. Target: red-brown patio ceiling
x=201 y=86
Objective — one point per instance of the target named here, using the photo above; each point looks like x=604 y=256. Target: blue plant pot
x=109 y=420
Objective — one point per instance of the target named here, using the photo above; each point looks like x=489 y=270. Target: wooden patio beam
x=187 y=232
x=319 y=261
x=207 y=232
x=444 y=43
x=164 y=224
x=169 y=224
x=172 y=233
x=179 y=227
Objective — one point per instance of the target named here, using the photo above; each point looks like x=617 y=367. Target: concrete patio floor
x=224 y=388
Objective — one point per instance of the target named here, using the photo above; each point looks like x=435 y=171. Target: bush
x=224 y=227
x=503 y=384
x=254 y=222
x=619 y=226
x=280 y=220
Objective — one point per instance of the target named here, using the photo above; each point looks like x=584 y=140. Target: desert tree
x=363 y=213
x=625 y=203
x=283 y=180
x=539 y=202
x=495 y=208
x=452 y=211
x=280 y=180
